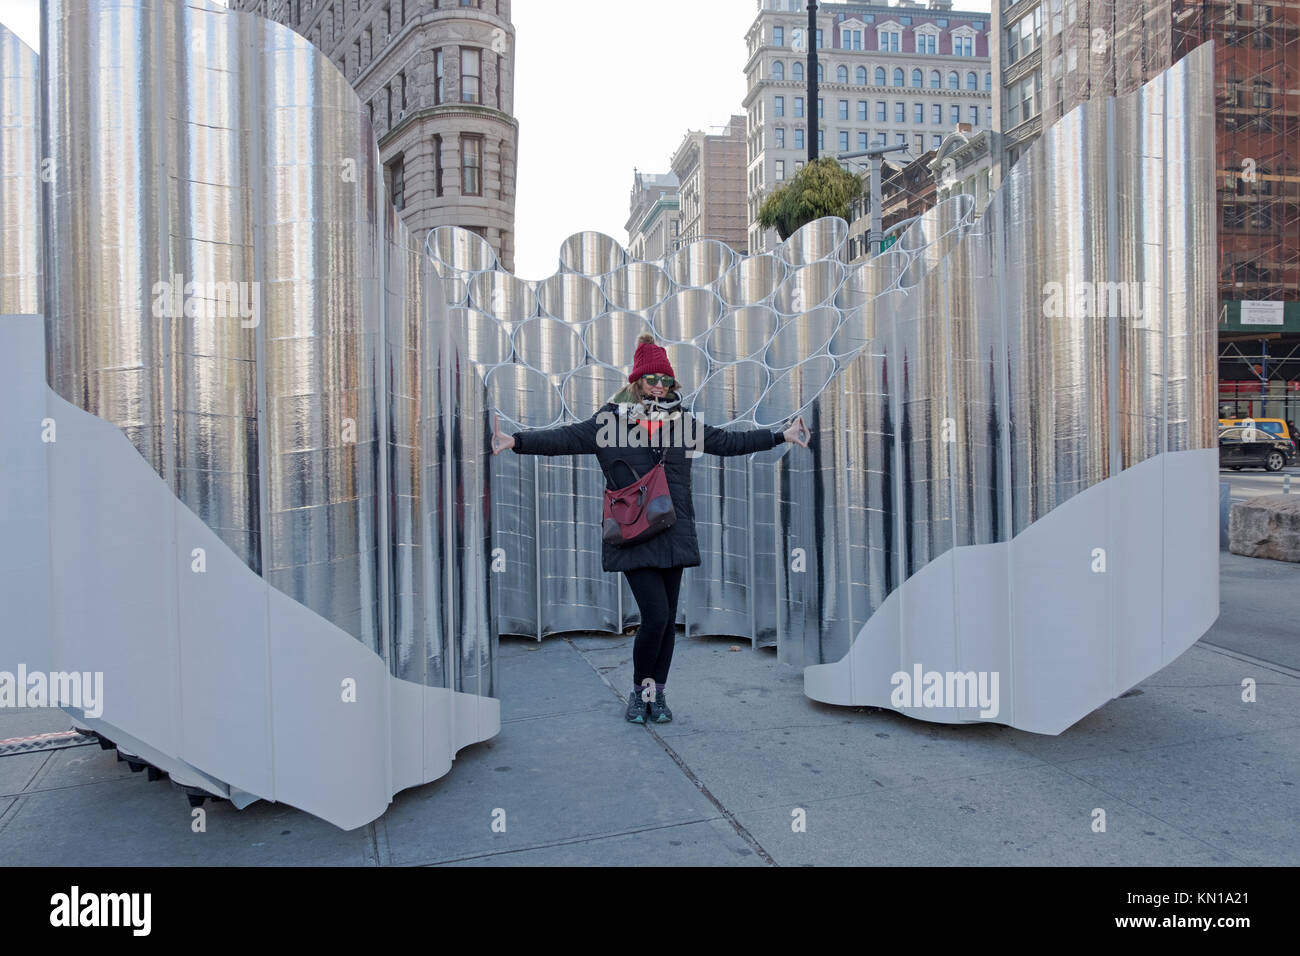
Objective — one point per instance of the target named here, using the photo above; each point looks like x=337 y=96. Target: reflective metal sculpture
x=20 y=171
x=273 y=409
x=285 y=588
x=1003 y=480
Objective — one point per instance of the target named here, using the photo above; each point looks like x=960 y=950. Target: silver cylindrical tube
x=591 y=254
x=700 y=264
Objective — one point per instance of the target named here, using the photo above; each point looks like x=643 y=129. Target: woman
x=622 y=436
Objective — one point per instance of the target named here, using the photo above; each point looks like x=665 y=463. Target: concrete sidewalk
x=1185 y=771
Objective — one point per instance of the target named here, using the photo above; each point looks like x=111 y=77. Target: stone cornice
x=448 y=111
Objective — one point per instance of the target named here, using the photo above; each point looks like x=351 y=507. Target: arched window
x=916 y=79
x=954 y=81
x=821 y=74
x=842 y=74
x=862 y=76
x=988 y=82
x=972 y=81
x=898 y=76
x=796 y=72
x=880 y=76
x=778 y=70
x=936 y=81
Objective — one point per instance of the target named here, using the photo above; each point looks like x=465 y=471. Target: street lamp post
x=814 y=126
x=876 y=154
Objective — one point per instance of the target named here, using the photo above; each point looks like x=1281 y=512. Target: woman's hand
x=797 y=433
x=500 y=440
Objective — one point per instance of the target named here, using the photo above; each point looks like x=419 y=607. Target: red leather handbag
x=639 y=511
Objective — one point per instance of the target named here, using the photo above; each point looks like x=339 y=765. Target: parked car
x=1278 y=427
x=1245 y=447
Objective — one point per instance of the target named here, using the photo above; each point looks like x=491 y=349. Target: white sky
x=601 y=87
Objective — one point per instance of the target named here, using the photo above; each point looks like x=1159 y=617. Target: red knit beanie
x=650 y=359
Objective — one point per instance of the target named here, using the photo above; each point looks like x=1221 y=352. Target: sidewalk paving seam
x=560 y=713
x=35 y=775
x=9 y=812
x=727 y=815
x=1248 y=659
x=571 y=841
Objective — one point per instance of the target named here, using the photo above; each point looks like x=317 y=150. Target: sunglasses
x=652 y=380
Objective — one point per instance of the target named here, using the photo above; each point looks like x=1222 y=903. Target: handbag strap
x=616 y=461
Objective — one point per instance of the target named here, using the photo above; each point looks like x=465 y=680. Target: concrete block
x=1266 y=527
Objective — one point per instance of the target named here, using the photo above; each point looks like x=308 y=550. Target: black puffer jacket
x=676 y=547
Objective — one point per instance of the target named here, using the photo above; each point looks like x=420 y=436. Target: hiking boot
x=659 y=712
x=636 y=708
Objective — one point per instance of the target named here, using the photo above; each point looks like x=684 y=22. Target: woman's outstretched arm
x=576 y=439
x=722 y=442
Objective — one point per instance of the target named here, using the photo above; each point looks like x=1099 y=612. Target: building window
x=988 y=82
x=819 y=39
x=821 y=73
x=841 y=74
x=862 y=140
x=440 y=80
x=1022 y=100
x=798 y=106
x=900 y=113
x=821 y=139
x=880 y=76
x=956 y=115
x=780 y=106
x=437 y=165
x=972 y=81
x=954 y=81
x=862 y=76
x=919 y=141
x=888 y=40
x=778 y=71
x=926 y=43
x=844 y=142
x=851 y=39
x=796 y=72
x=1022 y=37
x=936 y=114
x=862 y=111
x=821 y=108
x=900 y=139
x=798 y=139
x=397 y=182
x=974 y=116
x=780 y=138
x=471 y=165
x=964 y=46
x=880 y=111
x=917 y=80
x=844 y=109
x=898 y=76
x=936 y=81
x=471 y=61
x=935 y=140
x=778 y=36
x=780 y=170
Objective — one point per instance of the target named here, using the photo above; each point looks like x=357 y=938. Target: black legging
x=656 y=591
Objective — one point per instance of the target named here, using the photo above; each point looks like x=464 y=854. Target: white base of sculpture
x=1085 y=603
